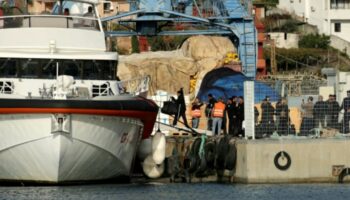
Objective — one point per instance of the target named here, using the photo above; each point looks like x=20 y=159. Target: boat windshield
x=50 y=68
x=71 y=14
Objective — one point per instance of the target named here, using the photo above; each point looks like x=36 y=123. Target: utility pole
x=273 y=57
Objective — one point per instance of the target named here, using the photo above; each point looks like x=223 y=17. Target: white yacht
x=64 y=115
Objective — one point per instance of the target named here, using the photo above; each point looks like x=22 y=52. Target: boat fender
x=151 y=168
x=190 y=164
x=209 y=149
x=222 y=150
x=158 y=147
x=230 y=160
x=343 y=173
x=282 y=156
x=202 y=166
x=144 y=149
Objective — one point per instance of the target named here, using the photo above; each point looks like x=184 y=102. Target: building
x=331 y=17
x=106 y=7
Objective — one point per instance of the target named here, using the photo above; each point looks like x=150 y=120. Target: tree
x=314 y=41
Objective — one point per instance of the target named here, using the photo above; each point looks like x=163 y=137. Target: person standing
x=66 y=12
x=230 y=110
x=196 y=112
x=333 y=112
x=218 y=114
x=307 y=122
x=320 y=110
x=346 y=106
x=283 y=117
x=181 y=108
x=208 y=111
x=240 y=116
x=267 y=112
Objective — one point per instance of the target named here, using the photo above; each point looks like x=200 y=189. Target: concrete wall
x=340 y=44
x=312 y=160
x=295 y=7
x=345 y=29
x=281 y=42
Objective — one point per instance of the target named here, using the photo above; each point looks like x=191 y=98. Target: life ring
x=282 y=155
x=343 y=173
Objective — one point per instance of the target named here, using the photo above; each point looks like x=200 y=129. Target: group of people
x=225 y=117
x=217 y=113
x=274 y=118
x=325 y=114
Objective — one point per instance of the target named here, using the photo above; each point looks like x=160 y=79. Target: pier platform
x=287 y=159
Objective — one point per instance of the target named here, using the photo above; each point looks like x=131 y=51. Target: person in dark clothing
x=181 y=108
x=230 y=110
x=320 y=110
x=267 y=112
x=240 y=117
x=256 y=115
x=346 y=106
x=332 y=112
x=282 y=111
x=208 y=111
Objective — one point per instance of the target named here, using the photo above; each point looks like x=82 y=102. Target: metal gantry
x=231 y=18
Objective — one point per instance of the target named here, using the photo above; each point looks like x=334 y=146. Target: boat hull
x=69 y=143
x=95 y=148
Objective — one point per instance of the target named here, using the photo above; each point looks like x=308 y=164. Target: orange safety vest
x=196 y=113
x=218 y=110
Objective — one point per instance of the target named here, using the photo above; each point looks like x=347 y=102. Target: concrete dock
x=304 y=159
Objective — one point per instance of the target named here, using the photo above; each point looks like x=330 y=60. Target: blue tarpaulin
x=224 y=82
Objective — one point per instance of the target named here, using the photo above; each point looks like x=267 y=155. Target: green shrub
x=314 y=41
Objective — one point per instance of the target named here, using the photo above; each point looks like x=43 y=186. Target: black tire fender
x=230 y=160
x=209 y=149
x=222 y=149
x=202 y=166
x=282 y=155
x=190 y=164
x=195 y=146
x=343 y=173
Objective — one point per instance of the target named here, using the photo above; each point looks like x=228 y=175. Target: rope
x=201 y=152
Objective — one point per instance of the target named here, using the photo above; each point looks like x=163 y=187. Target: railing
x=54 y=21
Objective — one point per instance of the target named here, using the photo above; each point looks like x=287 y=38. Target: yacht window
x=8 y=68
x=70 y=68
x=30 y=68
x=46 y=68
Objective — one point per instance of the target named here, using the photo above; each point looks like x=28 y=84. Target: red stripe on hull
x=148 y=118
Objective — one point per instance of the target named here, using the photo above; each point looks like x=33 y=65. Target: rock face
x=171 y=70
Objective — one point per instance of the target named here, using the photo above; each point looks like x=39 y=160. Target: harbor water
x=154 y=190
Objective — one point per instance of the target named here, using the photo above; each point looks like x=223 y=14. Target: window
x=340 y=4
x=337 y=27
x=47 y=68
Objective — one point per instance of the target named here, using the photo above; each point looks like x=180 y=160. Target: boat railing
x=52 y=21
x=135 y=86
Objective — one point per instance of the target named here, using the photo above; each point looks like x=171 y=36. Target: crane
x=231 y=18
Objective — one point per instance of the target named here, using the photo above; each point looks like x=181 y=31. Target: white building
x=332 y=17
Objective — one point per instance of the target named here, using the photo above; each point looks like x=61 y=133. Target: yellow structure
x=231 y=56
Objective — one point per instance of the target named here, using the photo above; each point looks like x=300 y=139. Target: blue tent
x=224 y=82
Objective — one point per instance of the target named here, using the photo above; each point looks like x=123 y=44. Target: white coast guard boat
x=64 y=117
